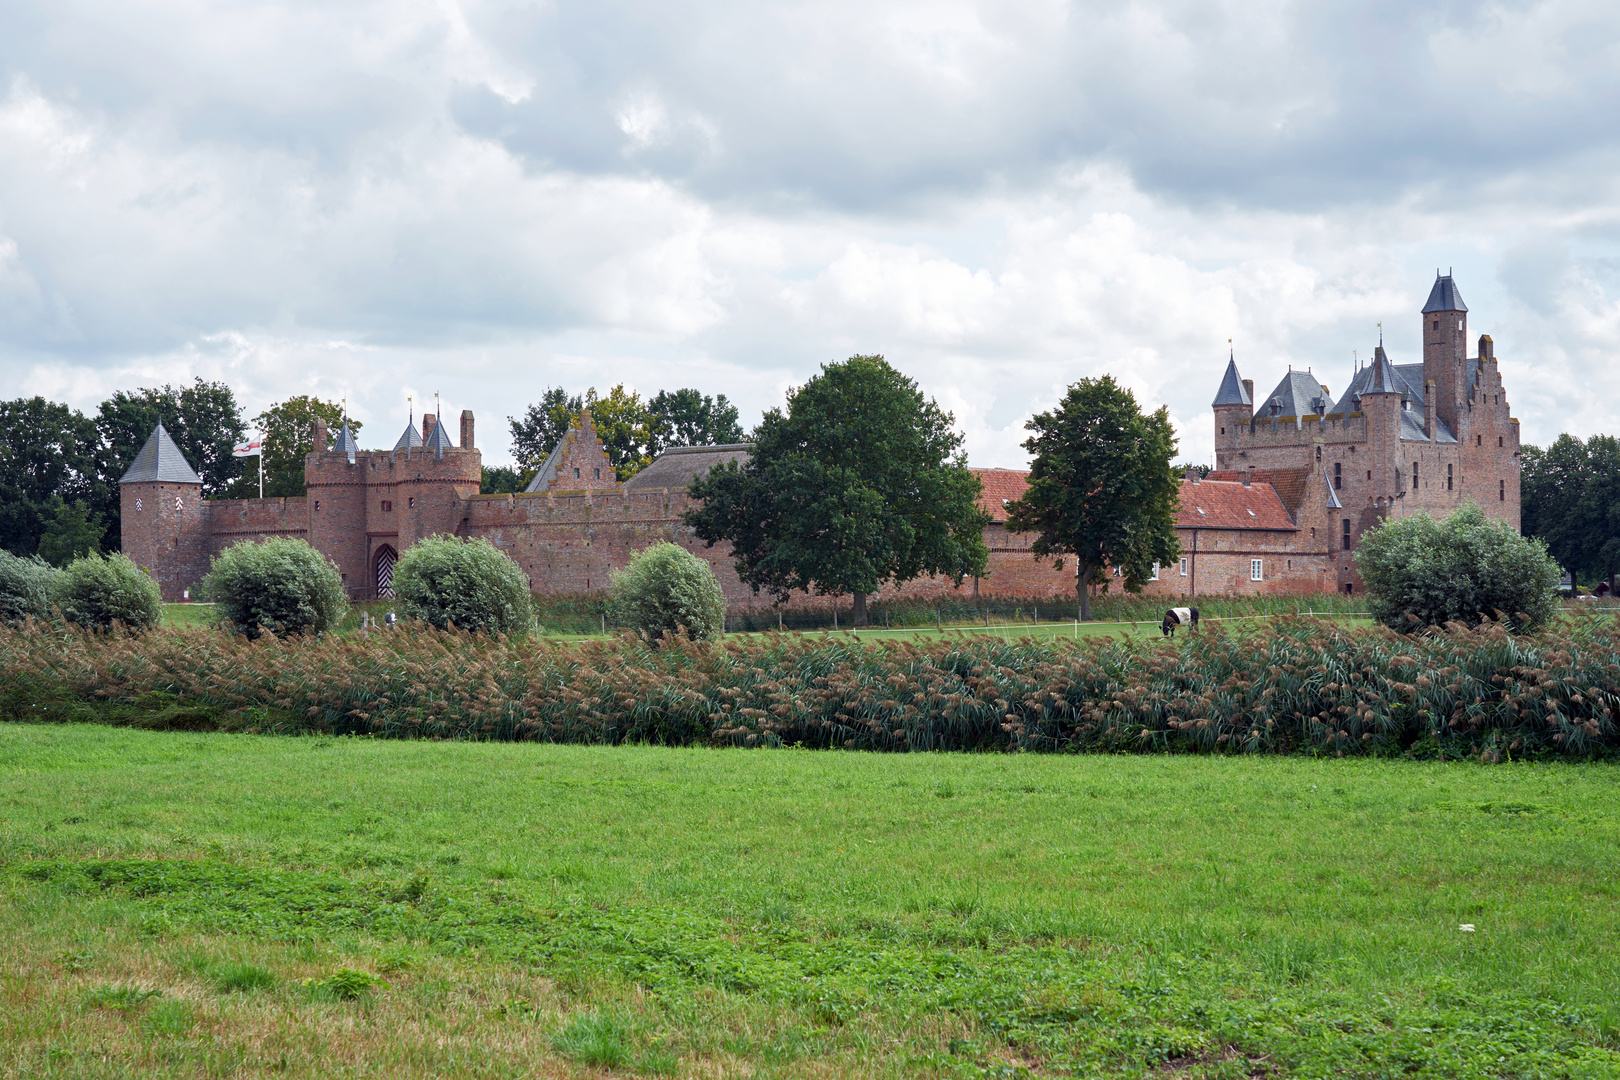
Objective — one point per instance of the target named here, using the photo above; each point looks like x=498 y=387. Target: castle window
x=387 y=506
x=576 y=474
x=1349 y=588
x=1155 y=576
x=1369 y=474
x=1346 y=524
x=1338 y=476
x=1448 y=477
x=1499 y=440
x=1318 y=453
x=1414 y=476
x=1479 y=440
x=1501 y=491
x=1437 y=324
x=598 y=473
x=1183 y=566
x=1223 y=431
x=1256 y=570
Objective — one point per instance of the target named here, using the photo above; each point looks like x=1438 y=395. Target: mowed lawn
x=212 y=905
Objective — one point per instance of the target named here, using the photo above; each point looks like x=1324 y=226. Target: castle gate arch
x=384 y=571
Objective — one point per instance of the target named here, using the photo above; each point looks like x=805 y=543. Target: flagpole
x=261 y=464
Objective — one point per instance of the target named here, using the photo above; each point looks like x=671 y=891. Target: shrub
x=282 y=585
x=469 y=584
x=99 y=590
x=25 y=588
x=1422 y=572
x=666 y=589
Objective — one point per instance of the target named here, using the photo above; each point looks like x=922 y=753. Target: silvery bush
x=280 y=585
x=98 y=590
x=665 y=590
x=470 y=584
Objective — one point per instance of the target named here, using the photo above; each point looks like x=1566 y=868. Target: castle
x=1297 y=481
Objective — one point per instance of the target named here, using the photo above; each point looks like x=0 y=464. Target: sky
x=378 y=200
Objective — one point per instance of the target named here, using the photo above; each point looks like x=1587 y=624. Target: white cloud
x=393 y=197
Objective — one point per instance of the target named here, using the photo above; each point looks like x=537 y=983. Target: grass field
x=207 y=905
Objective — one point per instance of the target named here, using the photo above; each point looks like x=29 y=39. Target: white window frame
x=1155 y=576
x=1184 y=566
x=1257 y=570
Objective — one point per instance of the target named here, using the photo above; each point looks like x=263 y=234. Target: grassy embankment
x=553 y=910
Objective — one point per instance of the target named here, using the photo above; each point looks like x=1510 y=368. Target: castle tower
x=1234 y=408
x=164 y=522
x=1445 y=352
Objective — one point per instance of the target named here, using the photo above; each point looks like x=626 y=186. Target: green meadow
x=180 y=904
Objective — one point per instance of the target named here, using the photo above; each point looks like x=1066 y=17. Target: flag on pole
x=251 y=448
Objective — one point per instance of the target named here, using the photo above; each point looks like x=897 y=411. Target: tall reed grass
x=1297 y=685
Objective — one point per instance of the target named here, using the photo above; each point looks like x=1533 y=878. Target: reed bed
x=1297 y=686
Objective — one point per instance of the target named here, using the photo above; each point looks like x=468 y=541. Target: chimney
x=466 y=429
x=1429 y=395
x=1248 y=476
x=1487 y=349
x=1248 y=389
x=428 y=420
x=1192 y=475
x=320 y=435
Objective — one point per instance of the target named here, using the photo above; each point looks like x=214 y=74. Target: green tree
x=471 y=584
x=689 y=418
x=861 y=481
x=281 y=585
x=1101 y=489
x=666 y=590
x=203 y=419
x=1422 y=572
x=1570 y=498
x=626 y=428
x=47 y=455
x=503 y=480
x=289 y=435
x=72 y=531
x=543 y=426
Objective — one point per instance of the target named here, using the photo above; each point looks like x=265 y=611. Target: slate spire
x=1444 y=296
x=1231 y=391
x=160 y=461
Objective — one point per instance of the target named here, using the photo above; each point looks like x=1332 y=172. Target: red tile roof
x=1001 y=486
x=1225 y=502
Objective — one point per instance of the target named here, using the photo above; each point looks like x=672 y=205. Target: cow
x=1178 y=616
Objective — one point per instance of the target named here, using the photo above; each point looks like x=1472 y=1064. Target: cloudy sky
x=382 y=198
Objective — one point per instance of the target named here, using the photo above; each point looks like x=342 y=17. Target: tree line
x=1569 y=496
x=59 y=469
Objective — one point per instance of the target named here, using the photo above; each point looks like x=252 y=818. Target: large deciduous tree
x=1571 y=499
x=686 y=417
x=542 y=427
x=48 y=455
x=1101 y=488
x=861 y=481
x=203 y=419
x=289 y=435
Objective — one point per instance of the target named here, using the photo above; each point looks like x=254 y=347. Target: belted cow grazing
x=1178 y=616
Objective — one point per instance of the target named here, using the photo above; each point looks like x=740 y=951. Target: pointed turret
x=410 y=440
x=160 y=461
x=345 y=442
x=1232 y=391
x=1444 y=296
x=1445 y=352
x=438 y=440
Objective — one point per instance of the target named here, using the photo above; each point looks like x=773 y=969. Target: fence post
x=939 y=620
x=604 y=626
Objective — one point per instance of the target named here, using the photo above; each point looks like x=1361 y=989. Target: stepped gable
x=677 y=467
x=1232 y=391
x=160 y=461
x=1222 y=501
x=1444 y=296
x=577 y=451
